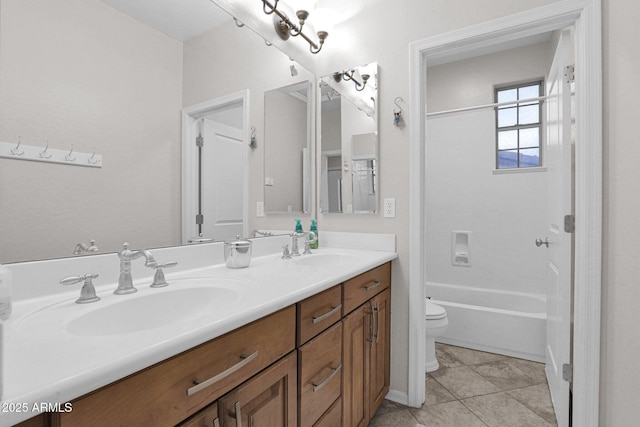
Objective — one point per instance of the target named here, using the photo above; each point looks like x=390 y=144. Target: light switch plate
x=259 y=209
x=389 y=208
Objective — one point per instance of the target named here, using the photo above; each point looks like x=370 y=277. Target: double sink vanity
x=284 y=342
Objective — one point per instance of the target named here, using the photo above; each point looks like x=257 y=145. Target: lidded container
x=237 y=254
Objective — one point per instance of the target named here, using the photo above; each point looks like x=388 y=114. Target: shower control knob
x=540 y=242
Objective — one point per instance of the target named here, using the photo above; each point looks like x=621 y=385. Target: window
x=518 y=126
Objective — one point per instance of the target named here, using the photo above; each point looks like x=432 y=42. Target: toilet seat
x=434 y=312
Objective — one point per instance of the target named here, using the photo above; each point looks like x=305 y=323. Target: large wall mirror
x=349 y=141
x=84 y=76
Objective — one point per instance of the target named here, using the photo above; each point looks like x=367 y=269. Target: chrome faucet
x=125 y=281
x=294 y=241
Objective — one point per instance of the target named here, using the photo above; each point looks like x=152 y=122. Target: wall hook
x=68 y=157
x=397 y=115
x=92 y=160
x=239 y=24
x=16 y=151
x=43 y=154
x=252 y=142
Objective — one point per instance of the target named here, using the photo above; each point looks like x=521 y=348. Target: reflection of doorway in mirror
x=331 y=175
x=214 y=170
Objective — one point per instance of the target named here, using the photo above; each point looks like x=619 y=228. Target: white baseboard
x=398 y=397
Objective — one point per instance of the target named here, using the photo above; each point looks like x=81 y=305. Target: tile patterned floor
x=477 y=389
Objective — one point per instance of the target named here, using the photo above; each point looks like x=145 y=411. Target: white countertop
x=44 y=363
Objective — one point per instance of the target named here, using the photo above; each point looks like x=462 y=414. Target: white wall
x=504 y=212
x=78 y=72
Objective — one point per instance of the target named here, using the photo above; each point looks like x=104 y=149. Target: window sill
x=519 y=170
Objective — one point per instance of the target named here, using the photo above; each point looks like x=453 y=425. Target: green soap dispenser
x=314 y=228
x=298 y=226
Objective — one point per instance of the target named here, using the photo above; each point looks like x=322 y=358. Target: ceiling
x=179 y=19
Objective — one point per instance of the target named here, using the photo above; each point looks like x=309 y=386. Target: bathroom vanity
x=305 y=343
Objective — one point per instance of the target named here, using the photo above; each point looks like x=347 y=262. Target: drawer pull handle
x=200 y=385
x=317 y=387
x=376 y=283
x=328 y=314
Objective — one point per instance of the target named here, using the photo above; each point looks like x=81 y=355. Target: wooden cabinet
x=366 y=346
x=171 y=391
x=267 y=400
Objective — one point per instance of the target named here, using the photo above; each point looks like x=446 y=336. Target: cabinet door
x=356 y=340
x=380 y=346
x=266 y=400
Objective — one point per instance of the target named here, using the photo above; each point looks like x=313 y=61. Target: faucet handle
x=285 y=252
x=158 y=278
x=307 y=248
x=88 y=291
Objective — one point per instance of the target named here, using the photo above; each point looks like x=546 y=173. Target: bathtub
x=509 y=323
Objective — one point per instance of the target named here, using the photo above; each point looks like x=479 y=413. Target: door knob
x=540 y=242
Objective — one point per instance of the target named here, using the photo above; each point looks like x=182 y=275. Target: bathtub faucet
x=125 y=281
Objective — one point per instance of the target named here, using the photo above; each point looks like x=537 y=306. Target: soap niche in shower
x=460 y=248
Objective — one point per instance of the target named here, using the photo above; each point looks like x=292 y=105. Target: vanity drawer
x=320 y=370
x=317 y=313
x=166 y=393
x=361 y=288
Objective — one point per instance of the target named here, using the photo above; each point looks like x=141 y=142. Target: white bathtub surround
x=509 y=323
x=73 y=364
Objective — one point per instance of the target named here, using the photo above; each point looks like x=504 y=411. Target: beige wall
x=78 y=72
x=620 y=373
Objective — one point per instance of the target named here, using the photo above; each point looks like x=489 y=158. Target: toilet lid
x=434 y=311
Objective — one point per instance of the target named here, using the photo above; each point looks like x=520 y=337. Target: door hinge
x=199 y=141
x=569 y=223
x=569 y=73
x=199 y=219
x=567 y=372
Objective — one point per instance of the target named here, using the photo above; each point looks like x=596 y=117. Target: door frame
x=190 y=158
x=585 y=17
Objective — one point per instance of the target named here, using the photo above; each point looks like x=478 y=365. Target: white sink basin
x=152 y=310
x=324 y=260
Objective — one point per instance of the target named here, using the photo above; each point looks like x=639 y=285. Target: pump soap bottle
x=314 y=228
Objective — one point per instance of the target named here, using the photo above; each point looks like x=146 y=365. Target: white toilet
x=436 y=324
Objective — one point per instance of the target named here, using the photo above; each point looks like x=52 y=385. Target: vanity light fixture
x=286 y=28
x=348 y=76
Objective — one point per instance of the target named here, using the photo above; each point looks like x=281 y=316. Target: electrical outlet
x=259 y=209
x=389 y=208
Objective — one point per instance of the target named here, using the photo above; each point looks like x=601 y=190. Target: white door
x=222 y=181
x=559 y=269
